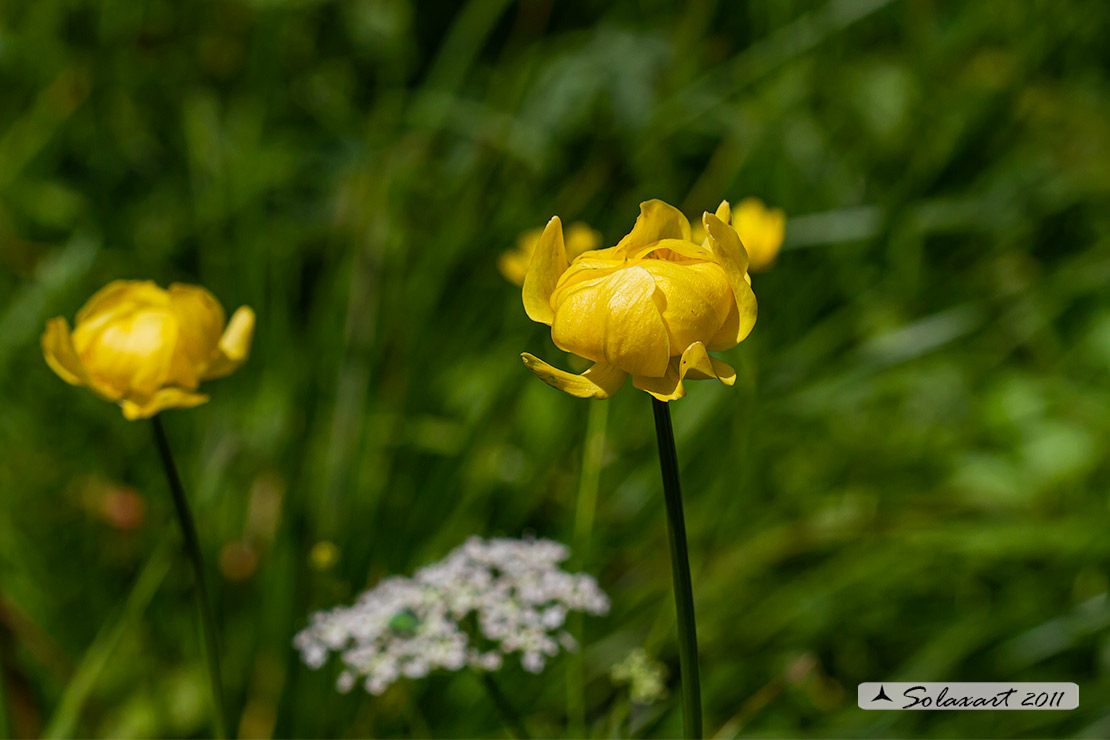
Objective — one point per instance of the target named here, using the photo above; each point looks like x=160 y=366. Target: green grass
x=908 y=481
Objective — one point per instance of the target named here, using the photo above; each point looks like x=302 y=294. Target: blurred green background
x=908 y=481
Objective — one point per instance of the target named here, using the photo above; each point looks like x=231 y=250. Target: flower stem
x=584 y=510
x=192 y=550
x=680 y=570
x=513 y=723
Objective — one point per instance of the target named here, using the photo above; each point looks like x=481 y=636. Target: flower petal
x=131 y=354
x=57 y=348
x=600 y=381
x=724 y=212
x=668 y=387
x=673 y=250
x=134 y=293
x=696 y=299
x=729 y=254
x=166 y=398
x=234 y=346
x=200 y=319
x=615 y=320
x=657 y=220
x=697 y=364
x=549 y=262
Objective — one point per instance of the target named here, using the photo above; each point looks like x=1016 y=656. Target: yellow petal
x=615 y=320
x=697 y=364
x=130 y=355
x=200 y=319
x=166 y=398
x=697 y=299
x=134 y=293
x=724 y=212
x=234 y=346
x=57 y=348
x=549 y=262
x=600 y=381
x=590 y=267
x=730 y=255
x=672 y=250
x=667 y=387
x=657 y=220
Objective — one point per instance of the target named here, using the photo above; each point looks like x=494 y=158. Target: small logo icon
x=882 y=695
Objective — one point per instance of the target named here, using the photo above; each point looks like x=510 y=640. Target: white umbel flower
x=515 y=589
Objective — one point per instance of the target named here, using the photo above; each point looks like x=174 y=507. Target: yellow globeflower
x=651 y=307
x=513 y=263
x=146 y=348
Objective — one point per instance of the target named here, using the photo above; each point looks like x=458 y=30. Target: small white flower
x=411 y=626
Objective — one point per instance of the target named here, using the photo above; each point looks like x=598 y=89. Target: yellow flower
x=146 y=348
x=651 y=307
x=761 y=231
x=513 y=263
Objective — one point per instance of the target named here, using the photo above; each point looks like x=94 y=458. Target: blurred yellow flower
x=513 y=263
x=651 y=307
x=146 y=348
x=761 y=231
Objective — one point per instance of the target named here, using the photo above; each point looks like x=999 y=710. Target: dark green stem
x=513 y=722
x=680 y=570
x=192 y=550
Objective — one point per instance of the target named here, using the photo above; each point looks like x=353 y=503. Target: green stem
x=680 y=570
x=192 y=549
x=513 y=723
x=584 y=510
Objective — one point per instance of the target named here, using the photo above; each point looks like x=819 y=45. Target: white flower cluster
x=485 y=600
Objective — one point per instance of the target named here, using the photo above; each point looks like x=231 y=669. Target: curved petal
x=234 y=346
x=200 y=319
x=137 y=293
x=549 y=262
x=587 y=268
x=729 y=254
x=657 y=220
x=616 y=320
x=166 y=398
x=667 y=387
x=57 y=348
x=724 y=212
x=668 y=249
x=600 y=381
x=697 y=364
x=694 y=299
x=132 y=354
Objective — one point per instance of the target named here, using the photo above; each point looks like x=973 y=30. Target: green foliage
x=908 y=481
